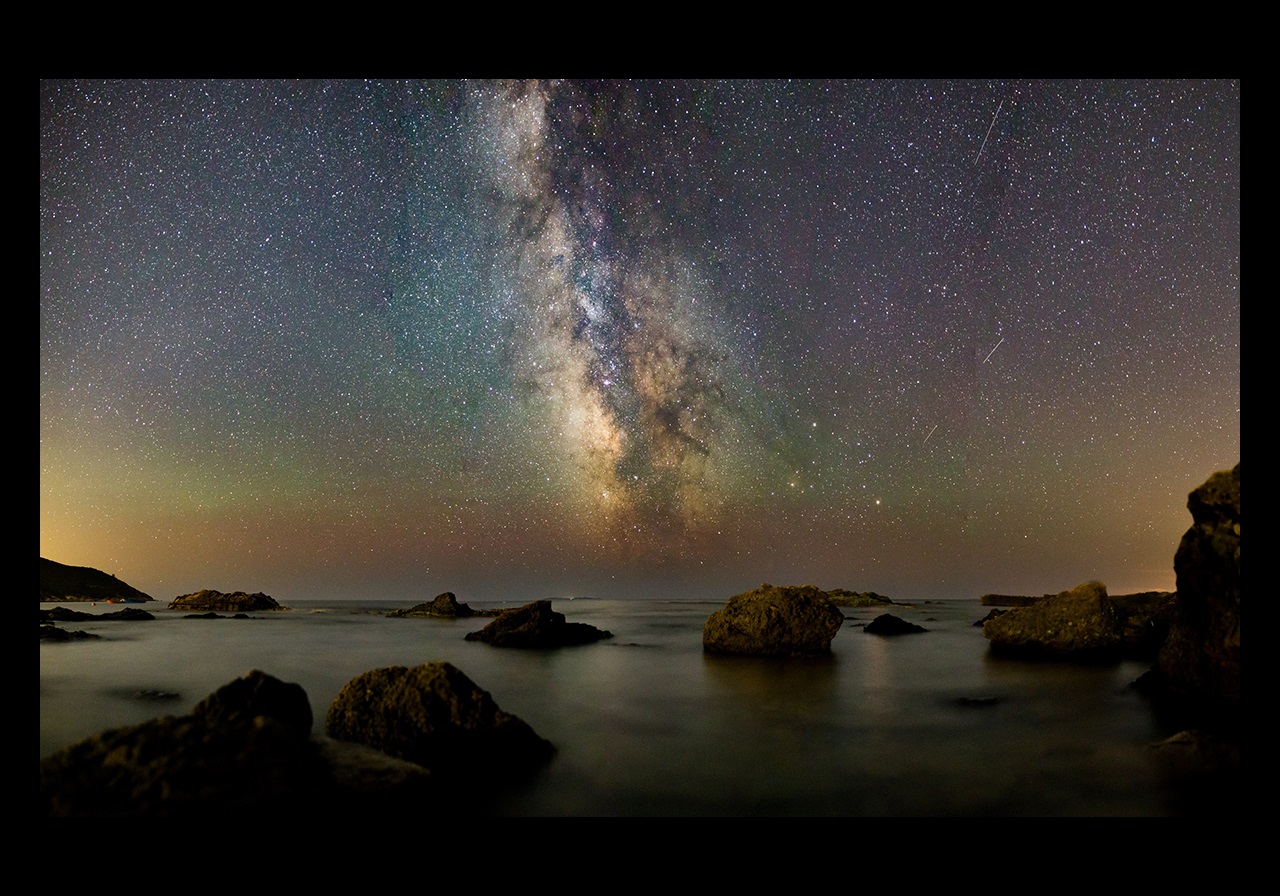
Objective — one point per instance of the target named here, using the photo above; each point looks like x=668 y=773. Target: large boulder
x=235 y=602
x=435 y=716
x=1200 y=658
x=774 y=621
x=536 y=625
x=1082 y=624
x=244 y=752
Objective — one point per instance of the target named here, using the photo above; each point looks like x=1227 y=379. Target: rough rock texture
x=236 y=602
x=435 y=716
x=1200 y=659
x=242 y=753
x=1081 y=624
x=84 y=583
x=774 y=621
x=444 y=606
x=888 y=624
x=536 y=625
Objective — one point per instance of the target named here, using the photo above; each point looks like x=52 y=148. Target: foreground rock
x=1082 y=624
x=435 y=716
x=445 y=606
x=84 y=583
x=774 y=621
x=1199 y=662
x=536 y=625
x=888 y=624
x=236 y=602
x=244 y=752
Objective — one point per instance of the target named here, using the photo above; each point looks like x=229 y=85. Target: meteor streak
x=993 y=351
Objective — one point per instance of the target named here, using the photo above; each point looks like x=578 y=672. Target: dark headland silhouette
x=83 y=583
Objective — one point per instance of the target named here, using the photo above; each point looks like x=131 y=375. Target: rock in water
x=536 y=625
x=1200 y=659
x=445 y=606
x=1081 y=624
x=236 y=602
x=774 y=621
x=244 y=749
x=888 y=624
x=437 y=717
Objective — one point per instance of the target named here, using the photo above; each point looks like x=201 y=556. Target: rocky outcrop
x=66 y=614
x=774 y=621
x=236 y=602
x=244 y=752
x=1011 y=600
x=1082 y=624
x=1199 y=662
x=84 y=583
x=435 y=716
x=888 y=624
x=842 y=598
x=445 y=606
x=536 y=625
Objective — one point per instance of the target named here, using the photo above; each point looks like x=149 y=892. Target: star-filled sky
x=383 y=339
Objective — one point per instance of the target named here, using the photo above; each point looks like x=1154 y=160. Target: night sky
x=514 y=340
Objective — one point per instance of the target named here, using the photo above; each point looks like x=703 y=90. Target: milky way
x=634 y=337
x=608 y=335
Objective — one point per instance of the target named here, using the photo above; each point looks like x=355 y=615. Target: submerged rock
x=435 y=716
x=66 y=614
x=53 y=633
x=236 y=602
x=1082 y=624
x=888 y=624
x=536 y=625
x=774 y=621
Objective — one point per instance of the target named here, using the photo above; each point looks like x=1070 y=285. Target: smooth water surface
x=645 y=723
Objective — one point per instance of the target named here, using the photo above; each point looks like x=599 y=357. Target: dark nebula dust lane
x=635 y=337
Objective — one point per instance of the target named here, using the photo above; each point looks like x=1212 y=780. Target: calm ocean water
x=646 y=724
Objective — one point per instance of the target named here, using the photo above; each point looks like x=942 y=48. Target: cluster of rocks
x=426 y=738
x=1191 y=635
x=49 y=630
x=792 y=620
x=1083 y=624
